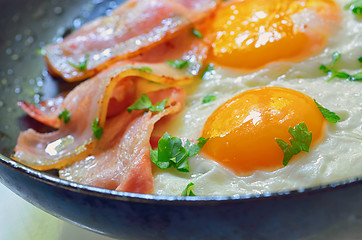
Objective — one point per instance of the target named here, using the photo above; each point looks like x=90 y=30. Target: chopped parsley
x=188 y=190
x=65 y=115
x=208 y=98
x=171 y=152
x=144 y=103
x=97 y=130
x=301 y=142
x=82 y=65
x=179 y=64
x=144 y=69
x=333 y=73
x=328 y=115
x=197 y=33
x=41 y=51
x=207 y=71
x=355 y=6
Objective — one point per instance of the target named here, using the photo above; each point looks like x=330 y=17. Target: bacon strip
x=185 y=47
x=47 y=113
x=49 y=110
x=126 y=166
x=133 y=28
x=87 y=102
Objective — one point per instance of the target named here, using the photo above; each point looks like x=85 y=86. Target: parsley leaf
x=328 y=115
x=357 y=77
x=188 y=190
x=355 y=6
x=360 y=59
x=159 y=106
x=82 y=65
x=301 y=142
x=144 y=69
x=331 y=71
x=97 y=130
x=194 y=149
x=144 y=102
x=179 y=64
x=338 y=74
x=171 y=153
x=335 y=57
x=65 y=115
x=197 y=33
x=207 y=71
x=41 y=51
x=208 y=98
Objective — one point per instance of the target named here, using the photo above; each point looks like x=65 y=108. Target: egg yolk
x=249 y=34
x=243 y=131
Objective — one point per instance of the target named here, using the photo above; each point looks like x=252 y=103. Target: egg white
x=337 y=157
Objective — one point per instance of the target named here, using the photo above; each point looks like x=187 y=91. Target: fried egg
x=249 y=34
x=266 y=75
x=242 y=131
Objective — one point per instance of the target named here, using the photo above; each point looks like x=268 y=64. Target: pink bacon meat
x=85 y=103
x=126 y=166
x=134 y=28
x=185 y=47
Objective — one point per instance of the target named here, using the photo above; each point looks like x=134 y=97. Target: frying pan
x=300 y=214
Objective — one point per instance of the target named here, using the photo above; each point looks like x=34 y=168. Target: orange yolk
x=243 y=131
x=250 y=34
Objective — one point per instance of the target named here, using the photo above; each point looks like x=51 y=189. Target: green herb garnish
x=196 y=148
x=188 y=190
x=144 y=69
x=144 y=103
x=65 y=115
x=301 y=142
x=97 y=130
x=41 y=51
x=179 y=64
x=197 y=33
x=327 y=114
x=208 y=98
x=82 y=65
x=355 y=6
x=208 y=69
x=171 y=153
x=360 y=59
x=333 y=73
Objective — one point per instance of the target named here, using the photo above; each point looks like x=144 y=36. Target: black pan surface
x=27 y=26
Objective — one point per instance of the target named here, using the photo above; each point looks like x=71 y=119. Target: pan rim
x=165 y=199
